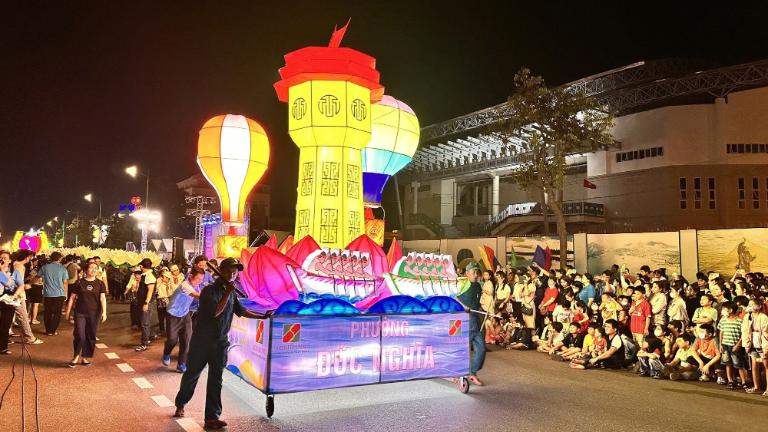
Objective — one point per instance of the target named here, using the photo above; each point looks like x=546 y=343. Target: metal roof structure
x=464 y=145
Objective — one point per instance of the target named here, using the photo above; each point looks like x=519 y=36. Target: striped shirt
x=730 y=328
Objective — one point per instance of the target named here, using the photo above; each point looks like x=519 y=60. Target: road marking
x=143 y=383
x=101 y=346
x=124 y=367
x=162 y=401
x=112 y=356
x=189 y=425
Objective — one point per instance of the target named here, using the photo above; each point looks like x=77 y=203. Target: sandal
x=475 y=380
x=752 y=390
x=765 y=394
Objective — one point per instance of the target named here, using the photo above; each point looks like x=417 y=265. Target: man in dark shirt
x=209 y=342
x=470 y=298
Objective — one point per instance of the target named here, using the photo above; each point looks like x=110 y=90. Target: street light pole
x=146 y=196
x=133 y=171
x=147 y=221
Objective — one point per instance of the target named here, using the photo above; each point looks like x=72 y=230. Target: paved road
x=525 y=391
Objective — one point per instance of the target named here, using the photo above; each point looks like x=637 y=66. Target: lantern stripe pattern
x=233 y=153
x=394 y=140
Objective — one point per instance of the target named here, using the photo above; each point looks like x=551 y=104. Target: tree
x=78 y=233
x=548 y=124
x=121 y=231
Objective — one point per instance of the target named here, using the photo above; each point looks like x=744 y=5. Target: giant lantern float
x=339 y=313
x=329 y=91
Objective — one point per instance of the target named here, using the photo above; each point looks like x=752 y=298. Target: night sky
x=87 y=89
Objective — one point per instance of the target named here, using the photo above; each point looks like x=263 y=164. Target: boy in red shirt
x=640 y=315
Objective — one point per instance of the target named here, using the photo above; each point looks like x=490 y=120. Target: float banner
x=248 y=348
x=315 y=353
x=424 y=346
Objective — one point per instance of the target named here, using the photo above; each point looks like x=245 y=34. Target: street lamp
x=133 y=171
x=89 y=198
x=99 y=238
x=147 y=220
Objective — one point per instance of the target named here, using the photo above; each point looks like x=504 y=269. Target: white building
x=694 y=154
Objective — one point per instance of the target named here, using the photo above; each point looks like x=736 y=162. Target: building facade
x=693 y=154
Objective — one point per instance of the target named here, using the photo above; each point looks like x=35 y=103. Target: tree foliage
x=548 y=125
x=121 y=231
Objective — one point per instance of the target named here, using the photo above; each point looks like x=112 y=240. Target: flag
x=539 y=257
x=512 y=256
x=394 y=254
x=488 y=257
x=589 y=185
x=547 y=258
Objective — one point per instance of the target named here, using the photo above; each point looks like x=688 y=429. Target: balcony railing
x=570 y=208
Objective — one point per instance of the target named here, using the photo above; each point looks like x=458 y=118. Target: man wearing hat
x=470 y=298
x=209 y=342
x=145 y=298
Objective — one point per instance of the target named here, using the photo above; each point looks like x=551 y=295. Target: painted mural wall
x=724 y=251
x=656 y=249
x=711 y=250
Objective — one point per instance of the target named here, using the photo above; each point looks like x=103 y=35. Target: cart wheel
x=270 y=405
x=464 y=385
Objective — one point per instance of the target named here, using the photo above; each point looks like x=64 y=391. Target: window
x=711 y=192
x=742 y=195
x=639 y=154
x=755 y=193
x=697 y=193
x=683 y=193
x=746 y=148
x=425 y=188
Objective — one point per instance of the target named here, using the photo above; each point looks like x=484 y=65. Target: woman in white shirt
x=676 y=309
x=527 y=302
x=503 y=293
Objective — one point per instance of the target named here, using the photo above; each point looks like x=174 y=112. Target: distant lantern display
x=394 y=139
x=233 y=153
x=329 y=91
x=32 y=241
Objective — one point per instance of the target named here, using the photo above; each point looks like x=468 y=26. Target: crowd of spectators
x=657 y=325
x=55 y=287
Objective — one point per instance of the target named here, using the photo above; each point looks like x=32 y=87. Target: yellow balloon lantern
x=329 y=91
x=233 y=153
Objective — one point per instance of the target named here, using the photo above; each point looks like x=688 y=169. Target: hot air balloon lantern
x=394 y=139
x=329 y=92
x=233 y=153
